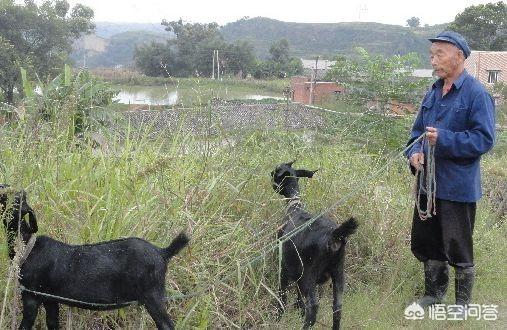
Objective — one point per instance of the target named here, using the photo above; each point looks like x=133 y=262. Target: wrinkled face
x=446 y=59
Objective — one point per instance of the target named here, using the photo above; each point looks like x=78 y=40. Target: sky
x=323 y=11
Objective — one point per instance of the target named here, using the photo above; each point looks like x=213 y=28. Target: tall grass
x=218 y=189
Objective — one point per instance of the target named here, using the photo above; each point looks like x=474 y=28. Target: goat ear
x=334 y=245
x=305 y=173
x=32 y=221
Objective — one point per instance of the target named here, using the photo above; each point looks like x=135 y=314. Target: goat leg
x=338 y=283
x=157 y=311
x=52 y=315
x=309 y=291
x=30 y=310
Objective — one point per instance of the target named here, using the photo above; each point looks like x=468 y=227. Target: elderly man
x=458 y=117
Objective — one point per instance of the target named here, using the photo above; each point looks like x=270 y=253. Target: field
x=218 y=189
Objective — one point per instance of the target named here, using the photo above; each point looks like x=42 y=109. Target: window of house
x=493 y=76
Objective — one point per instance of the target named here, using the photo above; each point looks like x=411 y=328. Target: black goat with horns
x=314 y=254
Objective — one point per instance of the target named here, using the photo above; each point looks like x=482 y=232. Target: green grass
x=218 y=189
x=136 y=79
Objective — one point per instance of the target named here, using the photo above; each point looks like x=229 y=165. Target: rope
x=426 y=184
x=75 y=301
x=263 y=252
x=276 y=244
x=295 y=231
x=348 y=196
x=27 y=249
x=23 y=254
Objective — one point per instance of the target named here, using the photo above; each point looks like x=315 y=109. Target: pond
x=162 y=95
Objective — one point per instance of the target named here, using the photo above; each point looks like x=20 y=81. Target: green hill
x=119 y=50
x=306 y=39
x=109 y=29
x=330 y=39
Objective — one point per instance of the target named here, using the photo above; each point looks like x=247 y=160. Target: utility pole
x=313 y=84
x=218 y=67
x=213 y=74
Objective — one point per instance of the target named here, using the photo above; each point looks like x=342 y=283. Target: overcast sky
x=324 y=11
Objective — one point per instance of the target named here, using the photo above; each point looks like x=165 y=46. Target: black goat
x=100 y=276
x=13 y=208
x=314 y=254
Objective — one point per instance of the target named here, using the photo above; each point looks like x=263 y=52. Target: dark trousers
x=446 y=236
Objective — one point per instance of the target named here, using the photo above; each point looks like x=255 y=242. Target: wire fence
x=237 y=117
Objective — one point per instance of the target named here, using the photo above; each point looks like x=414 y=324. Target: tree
x=484 y=26
x=194 y=45
x=414 y=22
x=38 y=37
x=155 y=59
x=263 y=69
x=280 y=64
x=379 y=79
x=192 y=52
x=9 y=68
x=239 y=58
x=295 y=66
x=279 y=51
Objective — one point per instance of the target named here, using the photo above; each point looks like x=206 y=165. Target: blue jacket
x=465 y=122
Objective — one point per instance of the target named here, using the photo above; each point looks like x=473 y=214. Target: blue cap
x=454 y=38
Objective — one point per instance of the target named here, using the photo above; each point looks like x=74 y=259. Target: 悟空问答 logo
x=414 y=312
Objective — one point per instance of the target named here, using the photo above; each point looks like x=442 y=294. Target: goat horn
x=290 y=163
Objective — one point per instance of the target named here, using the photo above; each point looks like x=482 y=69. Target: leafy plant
x=37 y=38
x=379 y=79
x=78 y=99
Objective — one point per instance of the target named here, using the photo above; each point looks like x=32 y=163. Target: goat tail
x=176 y=245
x=346 y=229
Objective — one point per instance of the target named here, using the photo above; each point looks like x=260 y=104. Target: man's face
x=445 y=59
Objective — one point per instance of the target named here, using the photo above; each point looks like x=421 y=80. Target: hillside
x=329 y=39
x=117 y=50
x=109 y=29
x=306 y=39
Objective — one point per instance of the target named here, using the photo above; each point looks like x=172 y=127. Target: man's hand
x=432 y=135
x=417 y=160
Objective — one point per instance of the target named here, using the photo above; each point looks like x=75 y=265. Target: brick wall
x=325 y=90
x=302 y=88
x=480 y=62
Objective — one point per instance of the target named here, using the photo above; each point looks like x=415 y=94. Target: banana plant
x=80 y=97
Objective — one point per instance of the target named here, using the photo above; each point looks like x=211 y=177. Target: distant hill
x=105 y=49
x=109 y=29
x=113 y=43
x=329 y=39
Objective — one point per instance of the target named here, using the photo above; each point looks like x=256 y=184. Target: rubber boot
x=436 y=280
x=464 y=283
